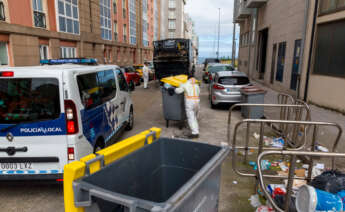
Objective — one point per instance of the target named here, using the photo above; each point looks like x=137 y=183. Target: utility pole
x=233 y=45
x=218 y=34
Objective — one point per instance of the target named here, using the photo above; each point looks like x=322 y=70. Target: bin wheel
x=167 y=123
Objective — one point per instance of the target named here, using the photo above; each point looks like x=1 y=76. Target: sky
x=205 y=16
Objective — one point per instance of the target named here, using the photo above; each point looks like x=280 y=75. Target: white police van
x=53 y=114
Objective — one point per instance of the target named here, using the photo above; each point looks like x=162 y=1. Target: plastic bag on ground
x=331 y=181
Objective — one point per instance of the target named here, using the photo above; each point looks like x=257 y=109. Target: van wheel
x=99 y=145
x=130 y=120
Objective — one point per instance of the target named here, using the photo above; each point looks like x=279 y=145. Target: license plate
x=16 y=166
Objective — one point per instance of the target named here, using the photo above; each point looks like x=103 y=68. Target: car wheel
x=131 y=85
x=130 y=120
x=98 y=146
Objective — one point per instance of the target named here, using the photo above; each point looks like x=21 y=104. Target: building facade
x=296 y=47
x=172 y=19
x=109 y=30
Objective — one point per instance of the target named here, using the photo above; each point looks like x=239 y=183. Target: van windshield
x=28 y=99
x=233 y=80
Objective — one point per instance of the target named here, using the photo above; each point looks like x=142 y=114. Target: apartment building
x=296 y=47
x=172 y=18
x=109 y=30
x=323 y=72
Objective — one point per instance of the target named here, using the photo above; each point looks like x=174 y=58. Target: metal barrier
x=290 y=177
x=261 y=147
x=94 y=162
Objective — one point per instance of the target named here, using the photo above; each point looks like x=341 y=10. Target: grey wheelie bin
x=169 y=175
x=254 y=95
x=173 y=107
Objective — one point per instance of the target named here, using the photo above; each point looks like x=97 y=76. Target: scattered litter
x=264 y=208
x=254 y=201
x=316 y=172
x=298 y=183
x=300 y=172
x=256 y=136
x=330 y=181
x=265 y=165
x=298 y=161
x=320 y=166
x=278 y=142
x=283 y=167
x=235 y=182
x=305 y=166
x=281 y=173
x=321 y=148
x=276 y=189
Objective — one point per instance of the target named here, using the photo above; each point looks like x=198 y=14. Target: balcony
x=255 y=3
x=40 y=19
x=241 y=11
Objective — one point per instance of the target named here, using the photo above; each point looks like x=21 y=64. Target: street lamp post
x=218 y=34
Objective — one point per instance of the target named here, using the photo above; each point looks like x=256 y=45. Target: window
x=96 y=88
x=125 y=33
x=329 y=51
x=68 y=16
x=132 y=22
x=172 y=14
x=327 y=6
x=281 y=61
x=172 y=24
x=105 y=19
x=172 y=4
x=124 y=10
x=115 y=6
x=39 y=16
x=68 y=52
x=122 y=81
x=3 y=54
x=2 y=11
x=233 y=80
x=39 y=99
x=115 y=31
x=145 y=23
x=171 y=34
x=43 y=52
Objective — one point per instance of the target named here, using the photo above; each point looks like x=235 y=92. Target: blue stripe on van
x=43 y=128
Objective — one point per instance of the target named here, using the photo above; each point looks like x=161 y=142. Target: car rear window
x=220 y=68
x=233 y=80
x=29 y=99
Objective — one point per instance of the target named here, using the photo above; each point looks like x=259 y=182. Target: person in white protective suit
x=146 y=72
x=192 y=103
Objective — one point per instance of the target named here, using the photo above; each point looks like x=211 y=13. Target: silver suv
x=225 y=87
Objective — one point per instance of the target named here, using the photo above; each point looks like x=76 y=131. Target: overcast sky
x=205 y=16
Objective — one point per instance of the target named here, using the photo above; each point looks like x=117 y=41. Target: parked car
x=214 y=68
x=225 y=88
x=210 y=60
x=132 y=76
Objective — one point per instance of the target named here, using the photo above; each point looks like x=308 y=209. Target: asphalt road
x=29 y=196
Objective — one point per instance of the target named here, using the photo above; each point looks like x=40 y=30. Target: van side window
x=122 y=81
x=90 y=92
x=106 y=80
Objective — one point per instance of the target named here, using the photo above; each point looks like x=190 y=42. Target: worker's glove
x=171 y=91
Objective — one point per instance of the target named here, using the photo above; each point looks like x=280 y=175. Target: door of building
x=263 y=36
x=295 y=65
x=274 y=55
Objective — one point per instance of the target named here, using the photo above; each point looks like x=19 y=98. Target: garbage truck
x=173 y=57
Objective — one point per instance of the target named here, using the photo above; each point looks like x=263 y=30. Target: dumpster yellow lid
x=176 y=80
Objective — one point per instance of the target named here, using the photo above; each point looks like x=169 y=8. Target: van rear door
x=32 y=127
